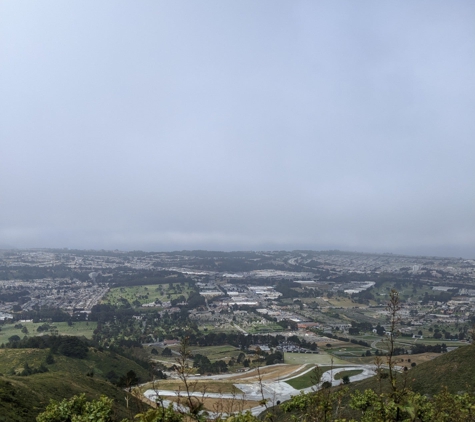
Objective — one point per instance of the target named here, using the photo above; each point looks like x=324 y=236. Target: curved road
x=273 y=391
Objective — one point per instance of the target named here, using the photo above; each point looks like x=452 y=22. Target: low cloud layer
x=238 y=125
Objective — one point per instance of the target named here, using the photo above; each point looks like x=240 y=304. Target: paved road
x=273 y=391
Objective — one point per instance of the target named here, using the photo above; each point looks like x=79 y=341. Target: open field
x=348 y=351
x=221 y=405
x=80 y=328
x=146 y=293
x=306 y=380
x=316 y=359
x=197 y=385
x=400 y=360
x=343 y=302
x=361 y=360
x=217 y=352
x=269 y=373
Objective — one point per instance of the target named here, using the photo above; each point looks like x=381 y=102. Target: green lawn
x=81 y=328
x=342 y=374
x=312 y=377
x=306 y=380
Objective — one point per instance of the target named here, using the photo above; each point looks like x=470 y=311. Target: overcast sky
x=238 y=125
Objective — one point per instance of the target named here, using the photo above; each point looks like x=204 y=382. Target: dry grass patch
x=198 y=386
x=419 y=358
x=267 y=373
x=220 y=405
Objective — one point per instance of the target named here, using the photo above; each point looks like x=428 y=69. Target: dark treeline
x=105 y=313
x=441 y=297
x=64 y=345
x=422 y=348
x=14 y=296
x=137 y=278
x=244 y=341
x=49 y=314
x=31 y=273
x=360 y=342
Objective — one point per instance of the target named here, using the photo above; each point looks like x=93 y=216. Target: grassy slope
x=455 y=370
x=22 y=398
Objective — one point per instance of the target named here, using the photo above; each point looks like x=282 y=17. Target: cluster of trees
x=288 y=324
x=48 y=314
x=28 y=370
x=204 y=365
x=107 y=313
x=14 y=296
x=64 y=345
x=273 y=358
x=146 y=277
x=357 y=327
x=244 y=341
x=363 y=297
x=441 y=297
x=422 y=348
x=287 y=289
x=33 y=272
x=449 y=336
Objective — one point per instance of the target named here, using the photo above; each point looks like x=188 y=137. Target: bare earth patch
x=221 y=405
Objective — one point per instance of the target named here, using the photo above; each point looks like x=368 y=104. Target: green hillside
x=23 y=397
x=455 y=370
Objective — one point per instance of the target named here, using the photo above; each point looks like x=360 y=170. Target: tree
x=166 y=352
x=161 y=414
x=72 y=347
x=128 y=380
x=78 y=409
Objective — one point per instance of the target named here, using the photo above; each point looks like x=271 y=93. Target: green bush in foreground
x=324 y=405
x=78 y=409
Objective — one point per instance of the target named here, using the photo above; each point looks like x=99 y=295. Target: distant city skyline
x=245 y=125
